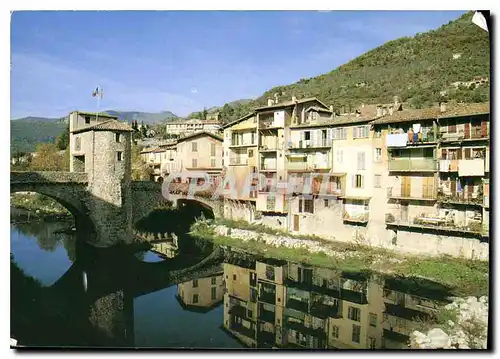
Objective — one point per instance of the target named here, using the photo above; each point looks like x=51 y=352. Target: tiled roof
x=318 y=109
x=110 y=125
x=350 y=119
x=452 y=110
x=290 y=103
x=232 y=123
x=466 y=109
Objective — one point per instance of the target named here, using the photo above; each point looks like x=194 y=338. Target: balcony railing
x=412 y=164
x=242 y=143
x=268 y=167
x=471 y=167
x=463 y=198
x=268 y=297
x=301 y=306
x=356 y=217
x=324 y=311
x=395 y=193
x=238 y=161
x=404 y=139
x=265 y=124
x=243 y=330
x=267 y=316
x=435 y=223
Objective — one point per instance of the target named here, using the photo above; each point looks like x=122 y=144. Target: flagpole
x=98 y=99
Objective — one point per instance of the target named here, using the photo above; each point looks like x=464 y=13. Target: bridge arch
x=71 y=199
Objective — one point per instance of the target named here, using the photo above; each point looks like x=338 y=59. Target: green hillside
x=415 y=68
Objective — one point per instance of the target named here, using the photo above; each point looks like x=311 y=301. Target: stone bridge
x=110 y=220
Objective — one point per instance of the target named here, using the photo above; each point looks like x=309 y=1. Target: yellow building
x=201 y=294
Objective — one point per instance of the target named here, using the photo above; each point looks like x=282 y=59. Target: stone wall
x=47 y=177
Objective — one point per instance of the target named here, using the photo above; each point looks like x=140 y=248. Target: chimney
x=270 y=102
x=331 y=108
x=391 y=109
x=276 y=98
x=294 y=99
x=384 y=111
x=379 y=111
x=396 y=101
x=442 y=106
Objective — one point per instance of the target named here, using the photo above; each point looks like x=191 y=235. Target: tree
x=140 y=170
x=62 y=141
x=144 y=130
x=48 y=158
x=204 y=114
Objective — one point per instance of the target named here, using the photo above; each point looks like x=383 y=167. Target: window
x=335 y=331
x=195 y=298
x=353 y=313
x=212 y=162
x=253 y=138
x=307 y=135
x=340 y=156
x=361 y=160
x=452 y=126
x=194 y=146
x=214 y=293
x=357 y=181
x=377 y=181
x=214 y=280
x=373 y=320
x=234 y=276
x=117 y=137
x=119 y=155
x=378 y=133
x=372 y=343
x=306 y=206
x=378 y=154
x=250 y=153
x=360 y=131
x=271 y=203
x=194 y=163
x=87 y=120
x=78 y=143
x=195 y=283
x=326 y=203
x=339 y=133
x=356 y=333
x=249 y=313
x=212 y=149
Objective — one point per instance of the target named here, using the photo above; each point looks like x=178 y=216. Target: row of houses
x=393 y=176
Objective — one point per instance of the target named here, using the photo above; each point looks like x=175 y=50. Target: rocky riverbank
x=467 y=327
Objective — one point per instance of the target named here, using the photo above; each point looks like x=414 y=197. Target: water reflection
x=288 y=305
x=190 y=294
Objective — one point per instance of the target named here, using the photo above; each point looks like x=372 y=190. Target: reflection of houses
x=288 y=305
x=168 y=248
x=201 y=294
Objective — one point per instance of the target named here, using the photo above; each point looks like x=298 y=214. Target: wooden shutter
x=443 y=154
x=467 y=153
x=467 y=130
x=300 y=205
x=453 y=186
x=484 y=128
x=459 y=154
x=452 y=126
x=353 y=181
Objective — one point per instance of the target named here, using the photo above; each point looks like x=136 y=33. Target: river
x=243 y=302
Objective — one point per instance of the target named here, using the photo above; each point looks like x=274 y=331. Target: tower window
x=117 y=137
x=87 y=120
x=119 y=156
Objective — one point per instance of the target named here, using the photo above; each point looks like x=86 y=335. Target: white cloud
x=194 y=90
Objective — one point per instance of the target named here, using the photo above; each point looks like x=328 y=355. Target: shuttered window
x=357 y=181
x=361 y=160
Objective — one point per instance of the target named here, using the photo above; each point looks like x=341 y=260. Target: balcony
x=462 y=198
x=268 y=167
x=412 y=165
x=269 y=124
x=305 y=166
x=359 y=217
x=301 y=306
x=247 y=332
x=301 y=328
x=471 y=167
x=268 y=297
x=436 y=223
x=267 y=316
x=234 y=143
x=448 y=165
x=305 y=144
x=395 y=193
x=324 y=311
x=238 y=161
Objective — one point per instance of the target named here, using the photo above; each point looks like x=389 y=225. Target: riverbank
x=463 y=277
x=30 y=206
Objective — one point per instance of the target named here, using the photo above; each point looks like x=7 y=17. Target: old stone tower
x=101 y=147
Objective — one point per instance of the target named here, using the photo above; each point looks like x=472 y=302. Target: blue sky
x=183 y=61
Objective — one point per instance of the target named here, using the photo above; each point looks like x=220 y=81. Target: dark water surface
x=230 y=300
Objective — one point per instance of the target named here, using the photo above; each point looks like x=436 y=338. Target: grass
x=462 y=277
x=44 y=205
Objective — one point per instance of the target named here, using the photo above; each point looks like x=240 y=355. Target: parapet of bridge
x=19 y=178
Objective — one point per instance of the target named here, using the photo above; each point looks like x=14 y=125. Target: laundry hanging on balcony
x=459 y=189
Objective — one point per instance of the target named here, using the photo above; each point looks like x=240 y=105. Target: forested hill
x=419 y=69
